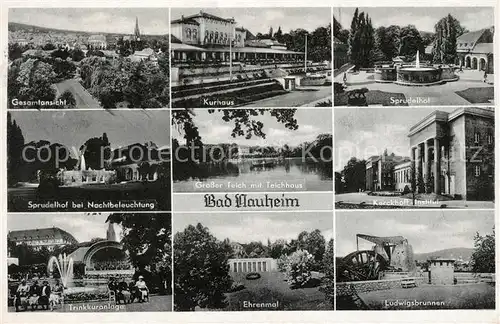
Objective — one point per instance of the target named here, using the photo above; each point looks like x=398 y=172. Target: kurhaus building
x=453 y=154
x=205 y=37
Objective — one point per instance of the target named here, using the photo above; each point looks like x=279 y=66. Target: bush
x=298 y=268
x=252 y=276
x=338 y=88
x=237 y=286
x=281 y=262
x=406 y=190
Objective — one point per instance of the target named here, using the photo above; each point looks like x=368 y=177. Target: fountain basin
x=419 y=76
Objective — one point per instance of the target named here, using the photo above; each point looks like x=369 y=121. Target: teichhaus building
x=454 y=153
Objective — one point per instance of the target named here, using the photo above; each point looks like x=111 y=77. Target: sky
x=73 y=128
x=364 y=132
x=426 y=231
x=152 y=21
x=249 y=227
x=258 y=20
x=214 y=130
x=424 y=18
x=83 y=226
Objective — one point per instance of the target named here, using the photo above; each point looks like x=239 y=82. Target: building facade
x=441 y=271
x=380 y=173
x=475 y=50
x=454 y=153
x=246 y=265
x=42 y=237
x=97 y=42
x=402 y=176
x=206 y=37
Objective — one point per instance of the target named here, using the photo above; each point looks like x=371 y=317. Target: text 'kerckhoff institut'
x=458 y=147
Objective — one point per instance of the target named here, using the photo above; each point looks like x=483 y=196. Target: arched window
x=188 y=33
x=195 y=34
x=216 y=36
x=211 y=37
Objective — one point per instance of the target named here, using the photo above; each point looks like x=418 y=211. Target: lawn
x=271 y=288
x=467 y=296
x=477 y=95
x=373 y=97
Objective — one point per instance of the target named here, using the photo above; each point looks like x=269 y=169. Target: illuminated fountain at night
x=414 y=74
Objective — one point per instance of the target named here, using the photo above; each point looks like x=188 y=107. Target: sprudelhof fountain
x=414 y=74
x=64 y=265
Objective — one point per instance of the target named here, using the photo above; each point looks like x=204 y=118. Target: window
x=490 y=139
x=195 y=34
x=477 y=170
x=476 y=137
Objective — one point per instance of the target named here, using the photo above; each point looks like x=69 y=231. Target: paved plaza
x=443 y=94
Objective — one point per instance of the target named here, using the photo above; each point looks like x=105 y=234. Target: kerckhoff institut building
x=451 y=154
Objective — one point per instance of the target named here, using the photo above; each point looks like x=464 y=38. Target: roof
x=483 y=48
x=188 y=21
x=41 y=233
x=470 y=37
x=202 y=14
x=79 y=254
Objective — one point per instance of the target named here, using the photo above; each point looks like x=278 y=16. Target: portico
x=427 y=158
x=252 y=265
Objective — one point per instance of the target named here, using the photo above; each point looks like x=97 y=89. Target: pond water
x=293 y=174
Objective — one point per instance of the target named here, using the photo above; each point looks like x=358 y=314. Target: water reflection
x=317 y=176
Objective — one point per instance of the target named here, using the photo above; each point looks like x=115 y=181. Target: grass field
x=467 y=296
x=272 y=288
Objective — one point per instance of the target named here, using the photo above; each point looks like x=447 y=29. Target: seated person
x=123 y=293
x=43 y=300
x=22 y=293
x=34 y=295
x=56 y=295
x=143 y=289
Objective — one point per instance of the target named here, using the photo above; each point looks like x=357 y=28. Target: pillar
x=425 y=161
x=184 y=56
x=417 y=166
x=437 y=166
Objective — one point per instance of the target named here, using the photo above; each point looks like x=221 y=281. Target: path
x=82 y=97
x=361 y=197
x=443 y=94
x=295 y=98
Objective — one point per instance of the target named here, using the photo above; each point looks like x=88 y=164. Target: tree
x=298 y=268
x=315 y=244
x=278 y=35
x=97 y=151
x=277 y=248
x=34 y=82
x=201 y=269
x=328 y=281
x=15 y=144
x=354 y=175
x=361 y=40
x=77 y=55
x=146 y=237
x=447 y=30
x=483 y=257
x=68 y=98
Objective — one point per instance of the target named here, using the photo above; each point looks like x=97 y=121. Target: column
x=425 y=161
x=417 y=166
x=437 y=166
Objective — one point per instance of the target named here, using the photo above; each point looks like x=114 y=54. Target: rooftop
x=41 y=233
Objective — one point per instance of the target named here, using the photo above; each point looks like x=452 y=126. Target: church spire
x=137 y=32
